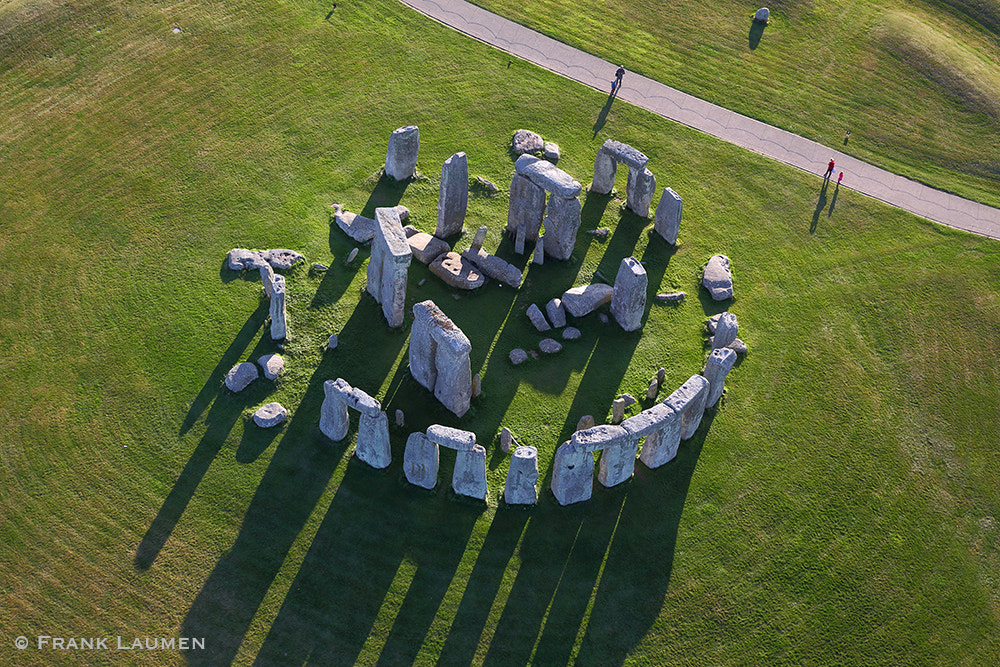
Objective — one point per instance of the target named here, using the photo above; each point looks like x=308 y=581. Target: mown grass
x=838 y=508
x=923 y=108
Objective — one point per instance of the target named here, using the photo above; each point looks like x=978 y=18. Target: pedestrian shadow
x=602 y=117
x=833 y=200
x=756 y=33
x=820 y=205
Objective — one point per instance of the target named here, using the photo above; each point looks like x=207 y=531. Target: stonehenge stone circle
x=527 y=207
x=725 y=331
x=628 y=301
x=689 y=401
x=241 y=375
x=421 y=460
x=572 y=474
x=519 y=488
x=579 y=301
x=547 y=176
x=373 y=439
x=718 y=278
x=439 y=357
x=640 y=191
x=469 y=478
x=272 y=365
x=453 y=196
x=719 y=363
x=387 y=267
x=562 y=222
x=537 y=319
x=661 y=426
x=401 y=156
x=667 y=219
x=618 y=463
x=457 y=272
x=334 y=421
x=641 y=184
x=373 y=426
x=270 y=415
x=557 y=314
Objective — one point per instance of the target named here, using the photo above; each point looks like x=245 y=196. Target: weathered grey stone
x=628 y=398
x=387 y=268
x=361 y=401
x=719 y=363
x=279 y=315
x=494 y=267
x=667 y=219
x=661 y=375
x=625 y=154
x=351 y=256
x=240 y=375
x=457 y=272
x=662 y=432
x=628 y=302
x=586 y=421
x=519 y=488
x=400 y=418
x=334 y=421
x=671 y=296
x=373 y=440
x=526 y=141
x=689 y=401
x=718 y=278
x=426 y=248
x=489 y=186
x=319 y=267
x=763 y=15
x=527 y=207
x=272 y=365
x=605 y=170
x=618 y=463
x=453 y=196
x=270 y=415
x=725 y=331
x=713 y=322
x=538 y=257
x=518 y=356
x=562 y=221
x=549 y=346
x=603 y=318
x=580 y=301
x=738 y=346
x=452 y=438
x=401 y=155
x=241 y=258
x=557 y=314
x=477 y=385
x=469 y=478
x=358 y=227
x=421 y=460
x=439 y=357
x=551 y=151
x=599 y=437
x=546 y=175
x=617 y=410
x=537 y=319
x=519 y=240
x=601 y=233
x=640 y=191
x=652 y=390
x=571 y=333
x=332 y=342
x=480 y=238
x=572 y=474
x=506 y=439
x=267 y=279
x=648 y=421
x=282 y=258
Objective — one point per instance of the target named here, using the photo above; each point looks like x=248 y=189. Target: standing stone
x=653 y=389
x=586 y=421
x=334 y=421
x=628 y=302
x=519 y=240
x=579 y=301
x=562 y=221
x=605 y=170
x=373 y=440
x=453 y=196
x=506 y=439
x=689 y=402
x=267 y=279
x=762 y=15
x=617 y=410
x=270 y=415
x=667 y=219
x=572 y=474
x=539 y=255
x=719 y=363
x=332 y=342
x=477 y=385
x=469 y=478
x=725 y=331
x=241 y=375
x=387 y=268
x=661 y=426
x=519 y=489
x=272 y=365
x=557 y=315
x=527 y=206
x=401 y=156
x=718 y=278
x=547 y=176
x=480 y=238
x=439 y=357
x=618 y=463
x=661 y=375
x=640 y=191
x=421 y=460
x=400 y=418
x=358 y=227
x=279 y=328
x=537 y=319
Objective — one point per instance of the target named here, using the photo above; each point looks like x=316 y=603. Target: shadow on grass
x=602 y=117
x=833 y=200
x=387 y=192
x=756 y=32
x=820 y=205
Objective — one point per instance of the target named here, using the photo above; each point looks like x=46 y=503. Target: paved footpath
x=727 y=125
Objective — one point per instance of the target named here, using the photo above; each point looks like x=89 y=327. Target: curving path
x=735 y=128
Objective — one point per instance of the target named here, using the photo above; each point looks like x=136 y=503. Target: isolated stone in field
x=453 y=196
x=580 y=301
x=518 y=356
x=282 y=258
x=719 y=363
x=549 y=346
x=457 y=272
x=506 y=439
x=640 y=191
x=718 y=278
x=519 y=488
x=241 y=258
x=401 y=155
x=469 y=478
x=332 y=341
x=572 y=474
x=667 y=219
x=388 y=266
x=439 y=357
x=571 y=333
x=494 y=267
x=421 y=460
x=426 y=248
x=272 y=365
x=537 y=319
x=557 y=314
x=551 y=151
x=270 y=415
x=628 y=301
x=480 y=238
x=358 y=227
x=725 y=331
x=526 y=141
x=240 y=375
x=671 y=296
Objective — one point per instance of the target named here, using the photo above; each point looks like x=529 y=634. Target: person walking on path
x=829 y=169
x=840 y=178
x=619 y=75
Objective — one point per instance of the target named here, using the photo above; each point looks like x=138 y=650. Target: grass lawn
x=839 y=507
x=916 y=82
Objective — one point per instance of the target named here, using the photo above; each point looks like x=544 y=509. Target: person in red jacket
x=829 y=169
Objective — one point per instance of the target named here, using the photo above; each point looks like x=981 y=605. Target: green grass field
x=916 y=82
x=839 y=507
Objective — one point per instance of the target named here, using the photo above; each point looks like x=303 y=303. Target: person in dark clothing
x=829 y=169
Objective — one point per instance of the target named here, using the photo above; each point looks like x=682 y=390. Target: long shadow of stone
x=621 y=244
x=226 y=410
x=383 y=554
x=387 y=192
x=756 y=32
x=339 y=275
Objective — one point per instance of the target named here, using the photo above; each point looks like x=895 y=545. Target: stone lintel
x=452 y=438
x=599 y=437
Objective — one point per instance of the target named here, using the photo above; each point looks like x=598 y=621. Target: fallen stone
x=718 y=278
x=421 y=460
x=713 y=322
x=518 y=356
x=469 y=478
x=547 y=176
x=494 y=267
x=331 y=343
x=282 y=258
x=270 y=415
x=580 y=301
x=586 y=421
x=739 y=347
x=401 y=155
x=451 y=438
x=480 y=238
x=241 y=375
x=519 y=487
x=725 y=331
x=319 y=267
x=571 y=333
x=551 y=151
x=526 y=141
x=241 y=258
x=572 y=474
x=427 y=248
x=549 y=346
x=352 y=255
x=601 y=232
x=456 y=272
x=557 y=314
x=272 y=365
x=489 y=186
x=603 y=318
x=667 y=219
x=400 y=418
x=671 y=296
x=628 y=301
x=537 y=319
x=358 y=227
